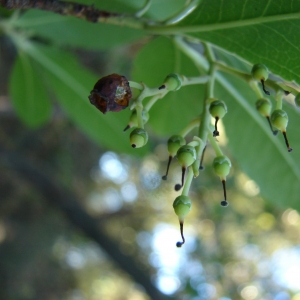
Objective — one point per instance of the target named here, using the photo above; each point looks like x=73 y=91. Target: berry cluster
x=112 y=93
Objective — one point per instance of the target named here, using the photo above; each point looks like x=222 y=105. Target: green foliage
x=251 y=30
x=28 y=92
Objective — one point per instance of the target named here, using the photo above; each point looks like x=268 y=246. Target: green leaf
x=70 y=31
x=152 y=64
x=72 y=85
x=257 y=31
x=28 y=93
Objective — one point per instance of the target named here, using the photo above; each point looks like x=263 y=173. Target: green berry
x=174 y=143
x=222 y=165
x=182 y=206
x=264 y=107
x=186 y=155
x=260 y=72
x=218 y=109
x=297 y=100
x=138 y=138
x=280 y=119
x=172 y=82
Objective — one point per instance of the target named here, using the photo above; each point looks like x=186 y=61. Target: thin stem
x=139 y=109
x=144 y=9
x=187 y=184
x=136 y=85
x=215 y=145
x=183 y=13
x=193 y=124
x=222 y=67
x=222 y=25
x=278 y=98
x=253 y=84
x=151 y=102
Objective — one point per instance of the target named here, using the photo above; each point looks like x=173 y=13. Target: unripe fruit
x=222 y=165
x=133 y=121
x=264 y=107
x=174 y=143
x=172 y=82
x=218 y=109
x=138 y=138
x=260 y=72
x=182 y=206
x=186 y=155
x=280 y=119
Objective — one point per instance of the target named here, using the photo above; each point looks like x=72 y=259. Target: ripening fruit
x=182 y=206
x=138 y=138
x=111 y=93
x=280 y=119
x=218 y=110
x=172 y=82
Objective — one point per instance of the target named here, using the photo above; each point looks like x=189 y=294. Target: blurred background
x=80 y=222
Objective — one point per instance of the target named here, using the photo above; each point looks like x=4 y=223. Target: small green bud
x=138 y=138
x=172 y=82
x=174 y=143
x=264 y=107
x=297 y=100
x=218 y=109
x=182 y=206
x=133 y=120
x=222 y=165
x=186 y=155
x=280 y=119
x=260 y=72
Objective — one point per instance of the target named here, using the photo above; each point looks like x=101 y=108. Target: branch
x=67 y=202
x=86 y=12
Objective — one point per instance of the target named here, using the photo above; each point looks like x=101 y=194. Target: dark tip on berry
x=287 y=93
x=133 y=145
x=164 y=177
x=216 y=133
x=162 y=87
x=177 y=187
x=264 y=89
x=179 y=244
x=224 y=203
x=126 y=128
